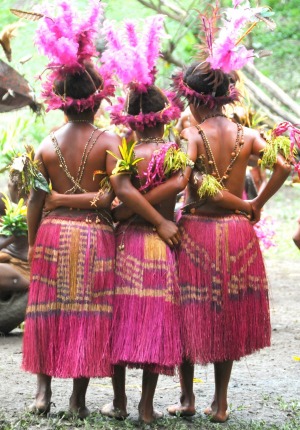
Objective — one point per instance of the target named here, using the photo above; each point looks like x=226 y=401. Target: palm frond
x=31 y=16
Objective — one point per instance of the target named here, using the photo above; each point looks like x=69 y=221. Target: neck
x=81 y=118
x=202 y=113
x=148 y=132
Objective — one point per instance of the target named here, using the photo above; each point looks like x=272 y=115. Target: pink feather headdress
x=68 y=41
x=226 y=52
x=132 y=54
x=210 y=100
x=221 y=50
x=171 y=111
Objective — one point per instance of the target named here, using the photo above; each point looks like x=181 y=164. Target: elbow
x=34 y=198
x=122 y=186
x=285 y=169
x=217 y=198
x=124 y=196
x=122 y=192
x=181 y=184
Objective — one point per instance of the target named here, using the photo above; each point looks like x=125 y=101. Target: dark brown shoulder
x=44 y=146
x=251 y=133
x=110 y=140
x=189 y=132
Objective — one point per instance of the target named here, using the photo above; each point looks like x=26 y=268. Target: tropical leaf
x=263 y=16
x=175 y=160
x=24 y=171
x=39 y=182
x=210 y=187
x=14 y=220
x=8 y=32
x=112 y=154
x=127 y=163
x=279 y=144
x=31 y=16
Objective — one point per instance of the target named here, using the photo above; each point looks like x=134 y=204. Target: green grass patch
x=97 y=421
x=284 y=210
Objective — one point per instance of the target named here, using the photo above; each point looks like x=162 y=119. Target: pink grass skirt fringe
x=146 y=324
x=224 y=291
x=69 y=309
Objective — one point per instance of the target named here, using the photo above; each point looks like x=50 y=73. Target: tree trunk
x=265 y=100
x=274 y=89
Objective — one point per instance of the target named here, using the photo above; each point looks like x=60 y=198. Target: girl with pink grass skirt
x=224 y=291
x=69 y=313
x=145 y=329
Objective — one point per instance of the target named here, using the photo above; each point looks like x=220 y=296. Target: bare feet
x=186 y=408
x=77 y=407
x=219 y=417
x=181 y=410
x=212 y=409
x=81 y=413
x=42 y=403
x=149 y=418
x=110 y=411
x=39 y=409
x=215 y=415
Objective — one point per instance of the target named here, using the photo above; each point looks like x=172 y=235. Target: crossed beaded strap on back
x=239 y=142
x=62 y=162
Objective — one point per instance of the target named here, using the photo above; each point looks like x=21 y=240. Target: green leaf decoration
x=175 y=159
x=14 y=220
x=104 y=184
x=278 y=145
x=126 y=164
x=24 y=171
x=39 y=182
x=210 y=187
x=171 y=134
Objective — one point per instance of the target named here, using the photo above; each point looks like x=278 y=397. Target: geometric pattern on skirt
x=146 y=328
x=224 y=290
x=69 y=313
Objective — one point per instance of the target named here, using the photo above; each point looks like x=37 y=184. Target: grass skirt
x=224 y=291
x=146 y=329
x=69 y=309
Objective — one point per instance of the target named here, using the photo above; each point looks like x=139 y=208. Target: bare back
x=79 y=145
x=222 y=135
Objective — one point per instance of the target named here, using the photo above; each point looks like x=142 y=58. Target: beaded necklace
x=211 y=116
x=156 y=140
x=74 y=121
x=239 y=142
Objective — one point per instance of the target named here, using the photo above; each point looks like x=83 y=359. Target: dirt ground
x=264 y=387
